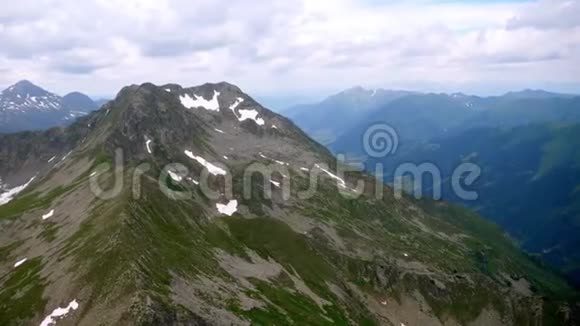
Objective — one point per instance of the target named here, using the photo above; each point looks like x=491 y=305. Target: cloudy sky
x=285 y=48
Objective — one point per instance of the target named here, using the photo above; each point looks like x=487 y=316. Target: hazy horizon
x=282 y=102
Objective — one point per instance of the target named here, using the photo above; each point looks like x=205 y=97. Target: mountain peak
x=355 y=89
x=24 y=83
x=536 y=94
x=26 y=106
x=24 y=96
x=359 y=91
x=79 y=102
x=26 y=87
x=174 y=112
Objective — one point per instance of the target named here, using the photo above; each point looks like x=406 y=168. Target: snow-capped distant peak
x=19 y=102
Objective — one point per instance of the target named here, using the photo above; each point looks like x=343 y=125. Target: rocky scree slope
x=141 y=257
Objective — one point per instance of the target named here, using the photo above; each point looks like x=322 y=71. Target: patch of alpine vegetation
x=21 y=294
x=163 y=251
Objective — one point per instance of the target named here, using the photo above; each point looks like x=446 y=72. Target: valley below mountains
x=525 y=145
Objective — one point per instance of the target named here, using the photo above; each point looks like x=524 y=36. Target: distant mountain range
x=536 y=94
x=25 y=106
x=332 y=117
x=340 y=120
x=527 y=144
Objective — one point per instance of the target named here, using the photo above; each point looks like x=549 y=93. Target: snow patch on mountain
x=148 y=145
x=281 y=162
x=243 y=115
x=48 y=215
x=9 y=194
x=66 y=156
x=238 y=101
x=252 y=115
x=277 y=161
x=59 y=313
x=197 y=102
x=215 y=170
x=20 y=262
x=176 y=177
x=195 y=182
x=228 y=209
x=22 y=103
x=340 y=181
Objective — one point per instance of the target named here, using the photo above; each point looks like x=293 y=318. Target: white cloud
x=278 y=46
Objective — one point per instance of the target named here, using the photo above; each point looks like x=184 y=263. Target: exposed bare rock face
x=189 y=206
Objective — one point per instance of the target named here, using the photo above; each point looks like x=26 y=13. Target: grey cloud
x=29 y=50
x=29 y=29
x=514 y=58
x=549 y=14
x=22 y=11
x=77 y=68
x=204 y=28
x=31 y=40
x=169 y=47
x=511 y=58
x=195 y=68
x=342 y=62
